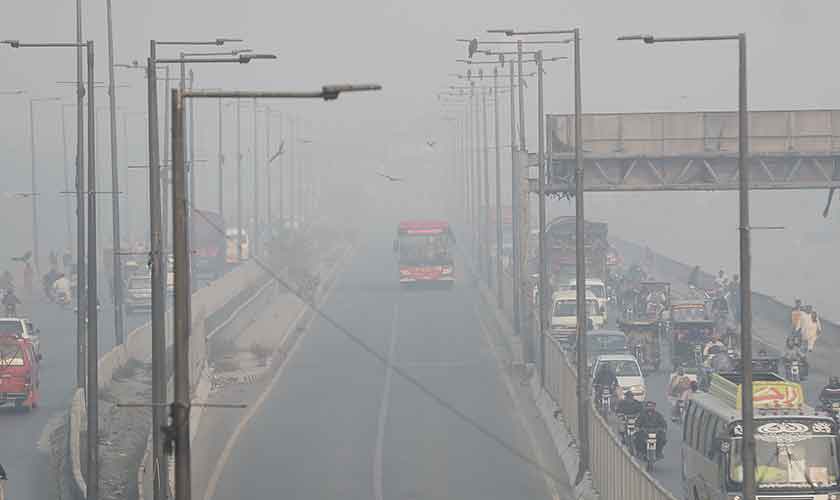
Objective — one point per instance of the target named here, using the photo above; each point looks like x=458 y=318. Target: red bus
x=425 y=250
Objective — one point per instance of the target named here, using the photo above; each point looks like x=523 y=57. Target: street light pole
x=255 y=238
x=238 y=182
x=500 y=298
x=477 y=182
x=67 y=210
x=745 y=258
x=485 y=221
x=544 y=286
x=119 y=323
x=515 y=172
x=221 y=157
x=81 y=259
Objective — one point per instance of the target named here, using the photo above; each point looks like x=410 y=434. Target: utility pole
x=255 y=232
x=238 y=182
x=181 y=404
x=477 y=206
x=34 y=188
x=92 y=392
x=158 y=272
x=221 y=158
x=119 y=324
x=485 y=220
x=500 y=296
x=544 y=286
x=514 y=208
x=67 y=210
x=81 y=260
x=292 y=178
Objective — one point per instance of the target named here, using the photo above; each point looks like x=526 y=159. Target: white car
x=21 y=328
x=564 y=313
x=627 y=371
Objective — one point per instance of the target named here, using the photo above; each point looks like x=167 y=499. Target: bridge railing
x=615 y=473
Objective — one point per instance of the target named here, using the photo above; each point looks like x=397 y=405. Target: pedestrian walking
x=813 y=330
x=796 y=318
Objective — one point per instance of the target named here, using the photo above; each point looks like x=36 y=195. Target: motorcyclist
x=831 y=392
x=605 y=377
x=712 y=344
x=62 y=288
x=10 y=302
x=793 y=352
x=679 y=389
x=629 y=405
x=651 y=420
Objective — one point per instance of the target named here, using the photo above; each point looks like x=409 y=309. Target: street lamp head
x=644 y=38
x=13 y=43
x=472 y=47
x=222 y=41
x=506 y=31
x=246 y=58
x=331 y=92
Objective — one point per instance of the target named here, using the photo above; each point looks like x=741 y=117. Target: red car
x=19 y=373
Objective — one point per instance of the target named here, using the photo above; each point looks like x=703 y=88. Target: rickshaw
x=652 y=299
x=644 y=341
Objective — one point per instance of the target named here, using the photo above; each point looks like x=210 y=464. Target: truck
x=560 y=249
x=209 y=245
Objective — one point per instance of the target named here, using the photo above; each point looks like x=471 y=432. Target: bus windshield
x=803 y=462
x=425 y=249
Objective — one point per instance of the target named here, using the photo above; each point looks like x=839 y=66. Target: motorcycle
x=793 y=370
x=628 y=428
x=639 y=354
x=604 y=401
x=650 y=449
x=679 y=408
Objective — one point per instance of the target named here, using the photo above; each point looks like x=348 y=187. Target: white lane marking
x=213 y=482
x=378 y=482
x=550 y=484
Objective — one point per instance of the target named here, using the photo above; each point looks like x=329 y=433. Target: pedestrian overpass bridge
x=695 y=151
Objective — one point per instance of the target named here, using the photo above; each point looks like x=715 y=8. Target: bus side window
x=689 y=423
x=697 y=432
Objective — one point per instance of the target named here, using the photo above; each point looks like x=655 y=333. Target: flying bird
x=390 y=177
x=279 y=152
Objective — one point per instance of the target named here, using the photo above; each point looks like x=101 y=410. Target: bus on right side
x=797 y=452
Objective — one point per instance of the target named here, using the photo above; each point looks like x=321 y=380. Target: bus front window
x=802 y=462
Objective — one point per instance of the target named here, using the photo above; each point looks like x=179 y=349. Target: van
x=19 y=373
x=596 y=287
x=564 y=313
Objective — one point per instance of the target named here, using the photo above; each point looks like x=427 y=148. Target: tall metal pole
x=746 y=274
x=580 y=276
x=255 y=238
x=34 y=188
x=181 y=404
x=67 y=211
x=126 y=204
x=292 y=177
x=238 y=182
x=477 y=206
x=119 y=324
x=280 y=181
x=485 y=220
x=221 y=158
x=514 y=207
x=268 y=214
x=468 y=142
x=166 y=176
x=158 y=283
x=543 y=258
x=92 y=479
x=81 y=275
x=191 y=183
x=500 y=297
x=522 y=146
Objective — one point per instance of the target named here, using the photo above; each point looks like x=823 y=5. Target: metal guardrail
x=615 y=473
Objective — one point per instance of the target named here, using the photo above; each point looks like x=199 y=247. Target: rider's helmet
x=833 y=380
x=680 y=371
x=628 y=395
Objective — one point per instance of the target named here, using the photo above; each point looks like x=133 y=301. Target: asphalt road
x=25 y=463
x=338 y=424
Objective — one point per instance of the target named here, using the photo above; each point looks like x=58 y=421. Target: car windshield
x=790 y=461
x=569 y=308
x=597 y=290
x=10 y=354
x=623 y=367
x=8 y=327
x=605 y=343
x=689 y=314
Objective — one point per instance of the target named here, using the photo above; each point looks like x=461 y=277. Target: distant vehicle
x=560 y=248
x=796 y=446
x=564 y=314
x=626 y=370
x=139 y=296
x=597 y=288
x=209 y=245
x=425 y=252
x=19 y=373
x=232 y=236
x=21 y=328
x=603 y=342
